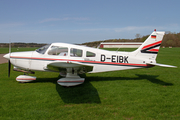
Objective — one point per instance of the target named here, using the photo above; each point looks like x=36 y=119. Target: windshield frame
x=43 y=49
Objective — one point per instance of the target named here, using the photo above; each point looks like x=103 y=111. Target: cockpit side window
x=43 y=49
x=76 y=52
x=57 y=50
x=90 y=54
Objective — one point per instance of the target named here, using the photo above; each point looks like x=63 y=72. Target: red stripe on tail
x=153 y=44
x=154 y=50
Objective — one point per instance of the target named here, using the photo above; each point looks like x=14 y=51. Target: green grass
x=152 y=93
x=6 y=50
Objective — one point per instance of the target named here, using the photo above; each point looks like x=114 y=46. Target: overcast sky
x=79 y=21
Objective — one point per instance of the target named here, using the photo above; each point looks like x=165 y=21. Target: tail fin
x=149 y=49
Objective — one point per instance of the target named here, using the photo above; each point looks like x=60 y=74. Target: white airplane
x=70 y=60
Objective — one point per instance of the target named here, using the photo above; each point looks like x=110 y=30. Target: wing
x=61 y=66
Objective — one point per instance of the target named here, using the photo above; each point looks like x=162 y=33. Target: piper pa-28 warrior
x=73 y=60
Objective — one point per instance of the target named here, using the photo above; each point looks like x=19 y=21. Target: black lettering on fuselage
x=103 y=58
x=115 y=58
x=120 y=59
x=125 y=59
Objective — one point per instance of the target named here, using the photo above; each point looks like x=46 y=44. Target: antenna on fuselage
x=119 y=47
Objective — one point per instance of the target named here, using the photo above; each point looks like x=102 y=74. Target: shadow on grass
x=84 y=93
x=87 y=93
x=151 y=78
x=52 y=80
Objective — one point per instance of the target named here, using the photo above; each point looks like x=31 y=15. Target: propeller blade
x=9 y=68
x=9 y=63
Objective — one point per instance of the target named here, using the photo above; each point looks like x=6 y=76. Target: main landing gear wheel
x=71 y=79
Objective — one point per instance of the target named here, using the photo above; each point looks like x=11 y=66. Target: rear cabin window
x=90 y=54
x=75 y=52
x=57 y=50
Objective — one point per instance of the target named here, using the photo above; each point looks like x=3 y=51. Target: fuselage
x=72 y=60
x=101 y=60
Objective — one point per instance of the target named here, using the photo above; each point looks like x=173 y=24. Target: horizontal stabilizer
x=161 y=65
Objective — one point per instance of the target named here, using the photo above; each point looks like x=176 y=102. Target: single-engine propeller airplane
x=70 y=60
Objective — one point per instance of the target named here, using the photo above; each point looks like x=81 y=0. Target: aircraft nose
x=6 y=56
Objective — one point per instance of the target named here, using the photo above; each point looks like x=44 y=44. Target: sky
x=80 y=21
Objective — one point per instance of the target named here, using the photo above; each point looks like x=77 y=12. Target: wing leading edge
x=61 y=66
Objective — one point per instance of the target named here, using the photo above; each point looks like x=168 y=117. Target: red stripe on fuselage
x=82 y=61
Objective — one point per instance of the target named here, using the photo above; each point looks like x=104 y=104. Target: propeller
x=9 y=62
x=9 y=68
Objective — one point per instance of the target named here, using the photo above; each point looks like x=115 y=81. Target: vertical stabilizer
x=149 y=49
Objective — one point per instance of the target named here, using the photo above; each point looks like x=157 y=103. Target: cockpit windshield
x=43 y=49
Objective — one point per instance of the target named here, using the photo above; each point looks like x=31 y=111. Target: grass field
x=6 y=50
x=152 y=93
